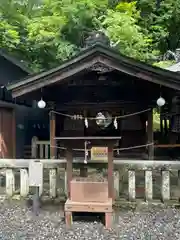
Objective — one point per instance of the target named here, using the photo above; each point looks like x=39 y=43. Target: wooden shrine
x=100 y=105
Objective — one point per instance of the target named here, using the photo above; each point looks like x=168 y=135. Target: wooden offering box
x=87 y=190
x=88 y=195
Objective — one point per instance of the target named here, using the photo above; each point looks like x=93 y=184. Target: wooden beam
x=110 y=172
x=91 y=105
x=69 y=169
x=167 y=145
x=150 y=136
x=13 y=133
x=88 y=138
x=52 y=136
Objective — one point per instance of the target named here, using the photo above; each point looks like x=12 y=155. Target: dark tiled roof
x=16 y=62
x=99 y=51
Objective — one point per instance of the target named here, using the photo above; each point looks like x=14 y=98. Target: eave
x=89 y=57
x=16 y=62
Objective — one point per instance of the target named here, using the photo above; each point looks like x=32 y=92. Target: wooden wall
x=7 y=133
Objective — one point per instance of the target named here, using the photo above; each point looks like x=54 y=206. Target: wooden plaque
x=35 y=174
x=99 y=153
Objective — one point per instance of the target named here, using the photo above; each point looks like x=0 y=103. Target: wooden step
x=72 y=206
x=104 y=207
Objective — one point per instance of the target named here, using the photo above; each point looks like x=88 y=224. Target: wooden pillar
x=68 y=219
x=83 y=168
x=143 y=118
x=110 y=172
x=161 y=126
x=83 y=171
x=34 y=147
x=150 y=137
x=165 y=127
x=52 y=136
x=69 y=169
x=14 y=134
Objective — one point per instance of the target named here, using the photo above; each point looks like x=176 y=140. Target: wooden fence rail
x=41 y=149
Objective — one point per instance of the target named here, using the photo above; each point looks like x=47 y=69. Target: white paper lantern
x=161 y=101
x=41 y=104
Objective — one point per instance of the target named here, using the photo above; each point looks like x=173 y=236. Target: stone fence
x=17 y=170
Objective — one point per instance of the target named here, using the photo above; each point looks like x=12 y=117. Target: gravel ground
x=18 y=222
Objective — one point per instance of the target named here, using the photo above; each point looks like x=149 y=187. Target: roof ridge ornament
x=100 y=68
x=96 y=37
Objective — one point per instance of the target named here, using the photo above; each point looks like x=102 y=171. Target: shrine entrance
x=100 y=105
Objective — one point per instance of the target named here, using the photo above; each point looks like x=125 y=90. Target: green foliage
x=122 y=28
x=161 y=23
x=156 y=120
x=82 y=17
x=9 y=36
x=44 y=33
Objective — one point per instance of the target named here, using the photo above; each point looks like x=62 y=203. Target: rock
x=158 y=222
x=16 y=197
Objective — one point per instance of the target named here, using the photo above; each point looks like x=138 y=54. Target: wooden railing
x=11 y=168
x=40 y=149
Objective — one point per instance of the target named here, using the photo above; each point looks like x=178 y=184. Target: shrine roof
x=15 y=61
x=86 y=59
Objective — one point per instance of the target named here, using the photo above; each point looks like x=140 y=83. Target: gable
x=92 y=58
x=10 y=72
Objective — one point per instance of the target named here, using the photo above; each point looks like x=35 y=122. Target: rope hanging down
x=80 y=117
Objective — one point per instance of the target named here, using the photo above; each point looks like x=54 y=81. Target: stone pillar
x=10 y=182
x=24 y=183
x=116 y=183
x=52 y=182
x=165 y=189
x=132 y=185
x=148 y=185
